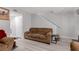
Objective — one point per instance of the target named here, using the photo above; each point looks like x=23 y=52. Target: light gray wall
x=4 y=24
x=76 y=24
x=67 y=23
x=68 y=26
x=26 y=21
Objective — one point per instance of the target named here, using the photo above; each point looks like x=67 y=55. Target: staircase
x=58 y=28
x=50 y=20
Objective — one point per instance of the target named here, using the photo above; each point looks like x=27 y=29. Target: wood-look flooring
x=29 y=45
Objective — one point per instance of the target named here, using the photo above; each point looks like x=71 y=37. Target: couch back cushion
x=41 y=30
x=33 y=30
x=2 y=34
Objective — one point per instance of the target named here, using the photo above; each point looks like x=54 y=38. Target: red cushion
x=2 y=34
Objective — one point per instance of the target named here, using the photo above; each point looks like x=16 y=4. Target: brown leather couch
x=6 y=44
x=39 y=34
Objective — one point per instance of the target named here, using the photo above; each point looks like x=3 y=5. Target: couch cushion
x=6 y=44
x=36 y=35
x=2 y=34
x=33 y=30
x=3 y=40
x=40 y=30
x=3 y=47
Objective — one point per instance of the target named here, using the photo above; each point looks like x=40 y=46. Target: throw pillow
x=2 y=34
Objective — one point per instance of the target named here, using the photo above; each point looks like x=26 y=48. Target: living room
x=58 y=20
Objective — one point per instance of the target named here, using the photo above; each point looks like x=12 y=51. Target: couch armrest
x=48 y=37
x=7 y=40
x=74 y=46
x=49 y=34
x=26 y=33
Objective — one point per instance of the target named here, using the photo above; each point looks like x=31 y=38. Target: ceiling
x=44 y=9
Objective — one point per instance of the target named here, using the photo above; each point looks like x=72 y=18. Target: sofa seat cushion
x=36 y=35
x=42 y=33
